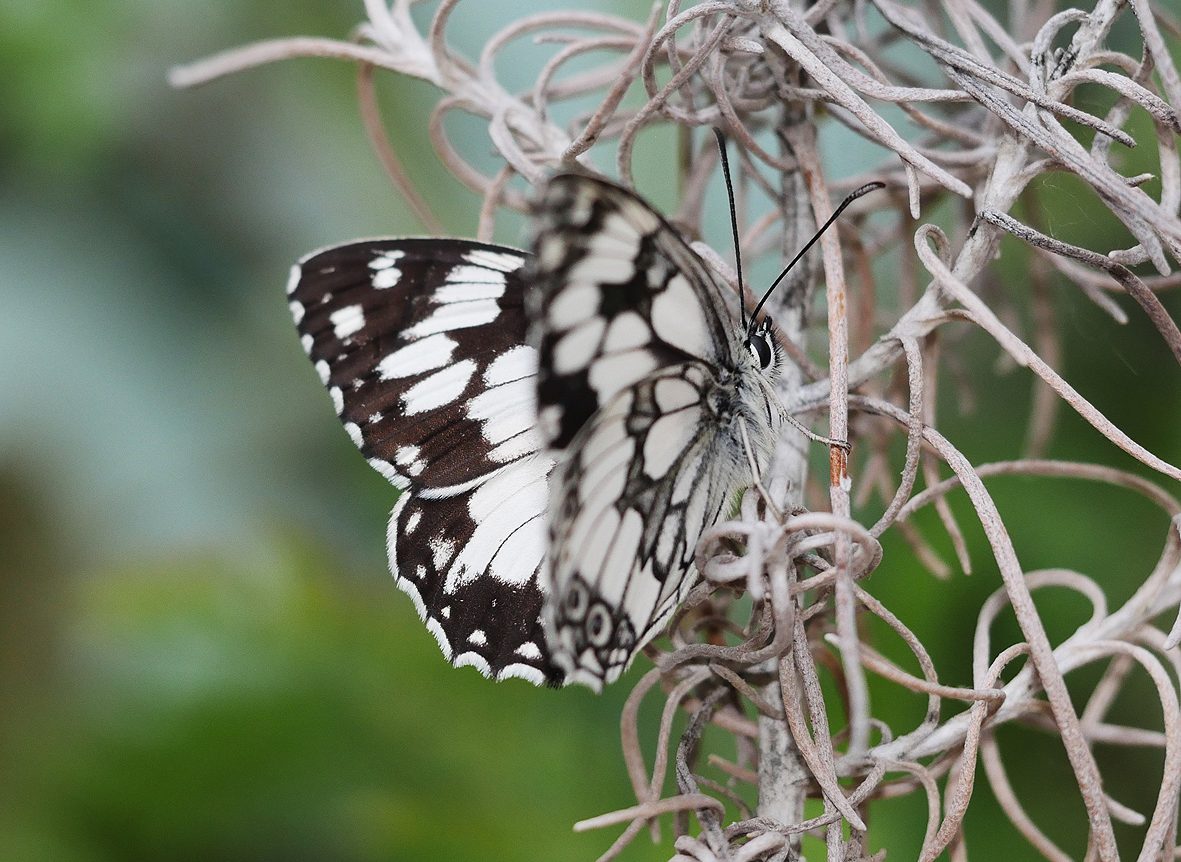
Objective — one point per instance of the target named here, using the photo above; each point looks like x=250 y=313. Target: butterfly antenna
x=733 y=222
x=864 y=190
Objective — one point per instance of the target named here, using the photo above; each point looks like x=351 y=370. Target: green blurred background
x=202 y=655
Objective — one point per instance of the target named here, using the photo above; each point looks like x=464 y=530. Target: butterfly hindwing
x=638 y=485
x=421 y=344
x=471 y=564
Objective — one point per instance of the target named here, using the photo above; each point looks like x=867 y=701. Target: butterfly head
x=763 y=348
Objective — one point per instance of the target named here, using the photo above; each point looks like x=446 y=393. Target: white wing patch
x=506 y=411
x=417 y=357
x=677 y=327
x=442 y=549
x=347 y=321
x=467 y=283
x=440 y=389
x=294 y=278
x=516 y=364
x=603 y=270
x=618 y=238
x=626 y=331
x=624 y=548
x=675 y=393
x=387 y=278
x=502 y=543
x=610 y=368
x=488 y=259
x=459 y=315
x=529 y=650
x=667 y=439
x=579 y=346
x=574 y=305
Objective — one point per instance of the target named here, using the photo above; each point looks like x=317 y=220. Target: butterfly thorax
x=746 y=396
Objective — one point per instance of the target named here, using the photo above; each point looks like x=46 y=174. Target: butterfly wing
x=421 y=344
x=620 y=294
x=639 y=390
x=638 y=485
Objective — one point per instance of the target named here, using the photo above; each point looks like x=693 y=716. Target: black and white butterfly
x=563 y=425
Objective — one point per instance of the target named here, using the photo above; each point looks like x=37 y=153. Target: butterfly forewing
x=642 y=383
x=621 y=295
x=421 y=344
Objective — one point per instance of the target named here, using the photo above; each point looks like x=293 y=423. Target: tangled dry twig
x=996 y=115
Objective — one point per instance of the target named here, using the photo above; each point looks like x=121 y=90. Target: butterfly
x=563 y=424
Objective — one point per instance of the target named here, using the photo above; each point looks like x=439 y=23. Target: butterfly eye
x=760 y=349
x=598 y=626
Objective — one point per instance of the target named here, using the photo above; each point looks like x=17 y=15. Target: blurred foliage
x=204 y=710
x=201 y=655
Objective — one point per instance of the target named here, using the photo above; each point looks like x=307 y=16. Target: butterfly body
x=564 y=425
